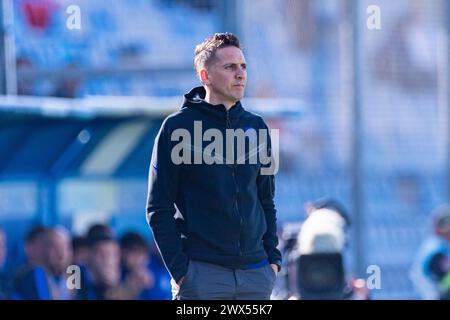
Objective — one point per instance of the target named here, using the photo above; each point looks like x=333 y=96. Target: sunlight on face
x=227 y=76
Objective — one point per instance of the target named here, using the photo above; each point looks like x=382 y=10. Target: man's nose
x=240 y=74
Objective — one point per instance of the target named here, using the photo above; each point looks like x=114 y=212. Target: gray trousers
x=206 y=281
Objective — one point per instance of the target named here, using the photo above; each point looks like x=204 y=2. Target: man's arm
x=162 y=190
x=266 y=193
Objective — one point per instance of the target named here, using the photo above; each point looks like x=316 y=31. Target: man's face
x=105 y=262
x=81 y=255
x=35 y=250
x=135 y=259
x=59 y=253
x=227 y=75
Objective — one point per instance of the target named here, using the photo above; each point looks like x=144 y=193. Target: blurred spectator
x=80 y=248
x=24 y=84
x=68 y=87
x=100 y=230
x=35 y=246
x=136 y=273
x=430 y=272
x=29 y=281
x=3 y=279
x=58 y=256
x=101 y=278
x=45 y=280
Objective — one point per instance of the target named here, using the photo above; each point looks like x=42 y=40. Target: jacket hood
x=195 y=99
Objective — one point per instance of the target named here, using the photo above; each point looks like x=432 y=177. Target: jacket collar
x=194 y=99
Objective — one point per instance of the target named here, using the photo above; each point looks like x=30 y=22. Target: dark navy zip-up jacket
x=226 y=213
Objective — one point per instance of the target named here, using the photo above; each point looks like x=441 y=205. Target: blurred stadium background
x=363 y=114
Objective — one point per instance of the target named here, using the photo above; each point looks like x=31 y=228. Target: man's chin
x=237 y=92
x=238 y=97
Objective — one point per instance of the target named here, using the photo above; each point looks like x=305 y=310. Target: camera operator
x=316 y=268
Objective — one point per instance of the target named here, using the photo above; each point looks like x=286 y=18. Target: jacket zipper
x=241 y=220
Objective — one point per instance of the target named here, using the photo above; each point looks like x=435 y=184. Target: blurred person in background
x=99 y=229
x=35 y=245
x=58 y=258
x=226 y=224
x=80 y=248
x=430 y=272
x=4 y=286
x=100 y=279
x=102 y=273
x=46 y=280
x=29 y=280
x=136 y=272
x=81 y=245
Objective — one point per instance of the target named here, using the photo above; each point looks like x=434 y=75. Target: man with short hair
x=30 y=279
x=80 y=249
x=214 y=220
x=35 y=245
x=44 y=277
x=58 y=256
x=101 y=277
x=148 y=283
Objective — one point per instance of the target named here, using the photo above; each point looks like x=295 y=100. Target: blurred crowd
x=95 y=266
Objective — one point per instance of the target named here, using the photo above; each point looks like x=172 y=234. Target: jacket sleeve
x=266 y=194
x=162 y=191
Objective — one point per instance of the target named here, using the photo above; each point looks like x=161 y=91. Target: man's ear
x=204 y=76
